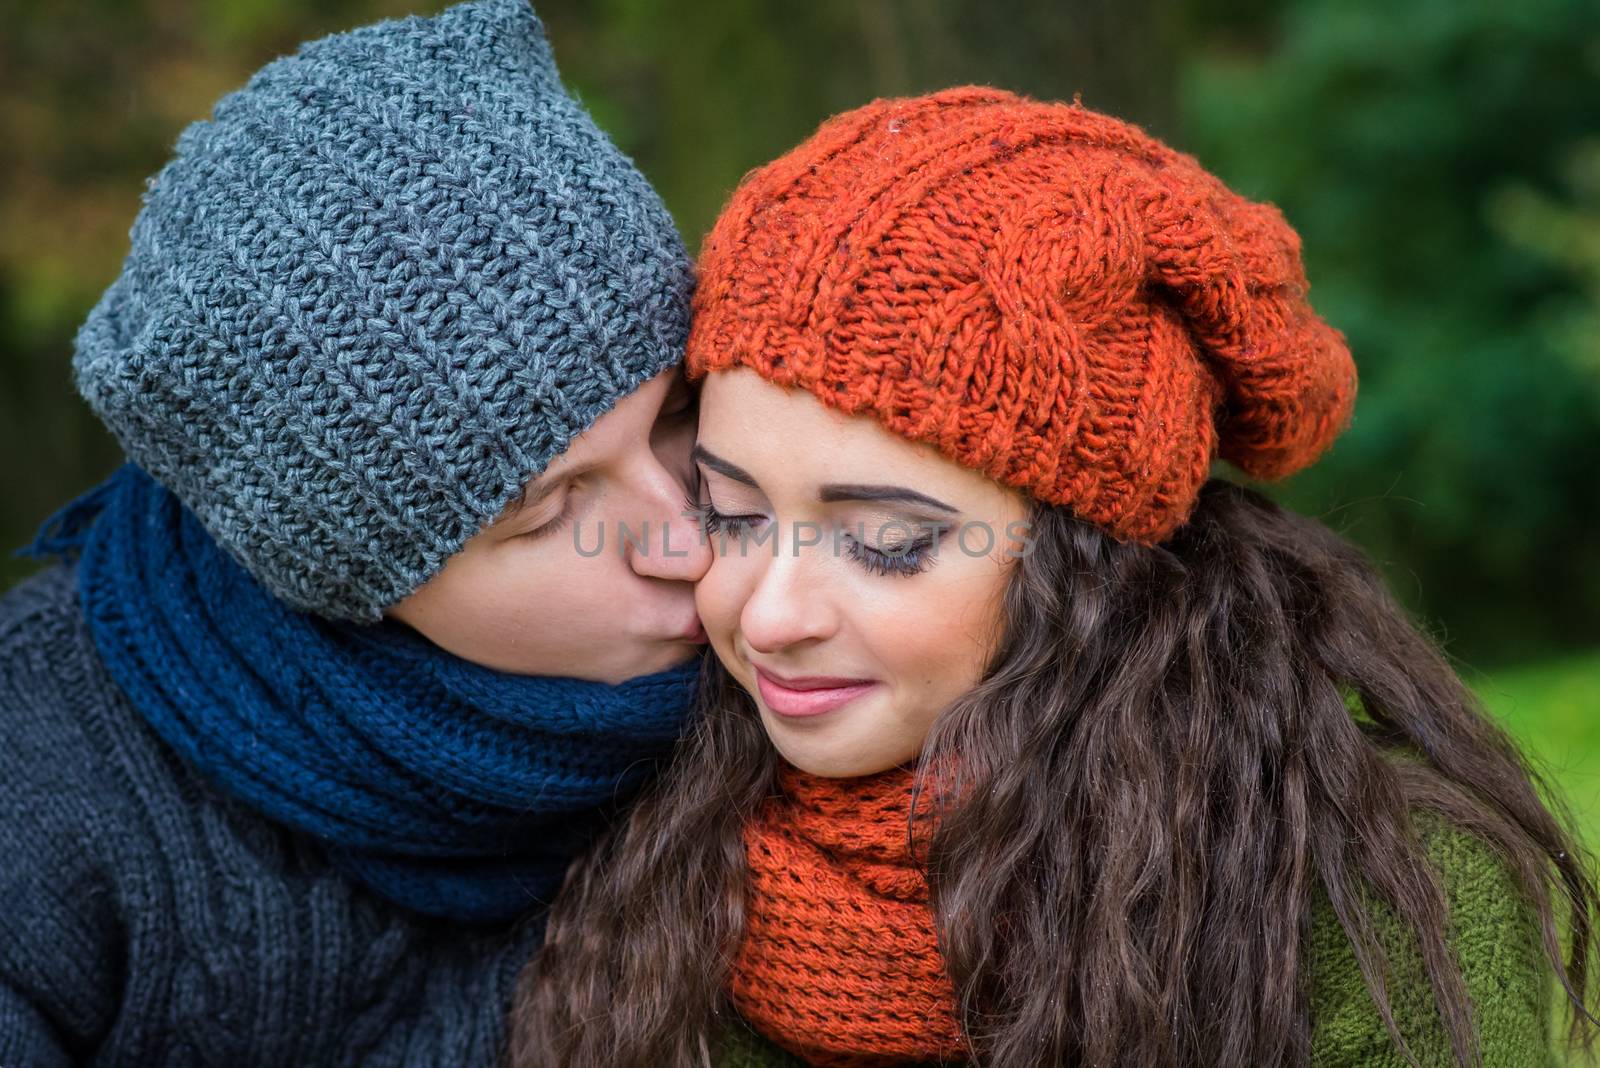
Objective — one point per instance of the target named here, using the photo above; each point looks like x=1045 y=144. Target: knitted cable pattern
x=835 y=970
x=1044 y=293
x=374 y=294
x=839 y=963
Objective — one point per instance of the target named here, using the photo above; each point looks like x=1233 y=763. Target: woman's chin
x=828 y=758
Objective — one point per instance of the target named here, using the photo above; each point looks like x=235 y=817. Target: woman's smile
x=810 y=695
x=850 y=648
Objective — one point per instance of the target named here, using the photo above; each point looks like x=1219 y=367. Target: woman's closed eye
x=910 y=556
x=713 y=521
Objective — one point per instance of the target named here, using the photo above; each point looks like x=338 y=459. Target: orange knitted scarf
x=840 y=964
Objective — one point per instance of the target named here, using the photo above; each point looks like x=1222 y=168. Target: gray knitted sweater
x=147 y=920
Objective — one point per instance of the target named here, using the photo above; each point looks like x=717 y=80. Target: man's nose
x=672 y=546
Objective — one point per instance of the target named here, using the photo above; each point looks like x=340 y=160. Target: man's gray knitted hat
x=374 y=294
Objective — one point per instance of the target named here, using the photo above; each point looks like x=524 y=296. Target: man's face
x=591 y=574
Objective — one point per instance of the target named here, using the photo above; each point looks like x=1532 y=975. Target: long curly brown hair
x=1170 y=749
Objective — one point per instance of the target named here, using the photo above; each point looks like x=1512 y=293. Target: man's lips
x=810 y=695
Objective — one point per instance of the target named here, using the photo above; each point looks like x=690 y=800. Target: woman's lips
x=810 y=696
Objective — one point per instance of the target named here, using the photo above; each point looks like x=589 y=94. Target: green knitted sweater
x=1495 y=938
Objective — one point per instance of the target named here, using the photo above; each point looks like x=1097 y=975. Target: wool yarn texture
x=374 y=294
x=153 y=921
x=839 y=962
x=1044 y=293
x=1495 y=934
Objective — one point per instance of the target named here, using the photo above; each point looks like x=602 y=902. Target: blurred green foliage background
x=1440 y=159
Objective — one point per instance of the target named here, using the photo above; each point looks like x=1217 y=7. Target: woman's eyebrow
x=845 y=491
x=833 y=491
x=721 y=466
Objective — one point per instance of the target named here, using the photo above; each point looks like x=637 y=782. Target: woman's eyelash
x=913 y=559
x=713 y=521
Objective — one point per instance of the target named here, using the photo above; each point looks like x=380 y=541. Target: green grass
x=1553 y=709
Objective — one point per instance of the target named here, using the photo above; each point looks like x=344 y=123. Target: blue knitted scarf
x=452 y=789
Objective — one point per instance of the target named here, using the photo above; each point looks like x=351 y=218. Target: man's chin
x=652 y=658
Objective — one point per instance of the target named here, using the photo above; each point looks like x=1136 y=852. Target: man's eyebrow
x=527 y=499
x=849 y=491
x=721 y=466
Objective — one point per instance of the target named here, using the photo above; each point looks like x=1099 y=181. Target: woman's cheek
x=938 y=621
x=718 y=601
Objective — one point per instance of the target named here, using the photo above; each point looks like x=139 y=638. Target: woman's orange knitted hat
x=1044 y=293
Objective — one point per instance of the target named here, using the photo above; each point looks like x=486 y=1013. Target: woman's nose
x=786 y=605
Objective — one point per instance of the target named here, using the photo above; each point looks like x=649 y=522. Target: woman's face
x=856 y=582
